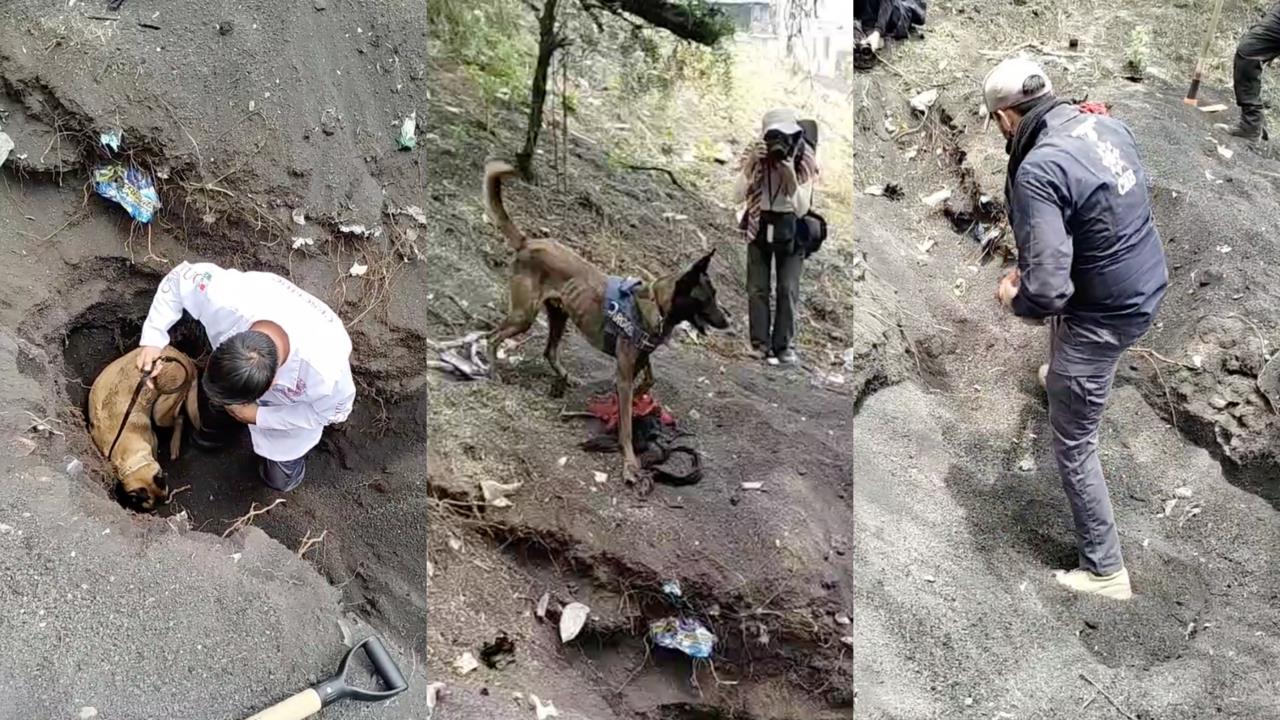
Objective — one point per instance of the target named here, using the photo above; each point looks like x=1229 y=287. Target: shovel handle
x=300 y=706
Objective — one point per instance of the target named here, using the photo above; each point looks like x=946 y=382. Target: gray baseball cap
x=1002 y=88
x=783 y=119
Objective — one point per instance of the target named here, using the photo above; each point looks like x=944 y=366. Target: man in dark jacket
x=887 y=19
x=1091 y=262
x=1260 y=45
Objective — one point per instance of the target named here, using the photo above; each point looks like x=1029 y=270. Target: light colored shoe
x=1044 y=375
x=1115 y=586
x=788 y=357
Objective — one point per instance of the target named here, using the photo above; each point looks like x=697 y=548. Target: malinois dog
x=122 y=410
x=547 y=276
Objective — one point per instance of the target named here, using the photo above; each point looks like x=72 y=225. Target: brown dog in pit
x=125 y=435
x=548 y=276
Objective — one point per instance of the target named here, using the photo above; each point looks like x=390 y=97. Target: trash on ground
x=1213 y=108
x=672 y=588
x=358 y=229
x=299 y=242
x=358 y=270
x=6 y=147
x=842 y=619
x=600 y=477
x=408 y=132
x=752 y=486
x=466 y=368
x=465 y=663
x=299 y=217
x=541 y=609
x=496 y=493
x=1168 y=507
x=1027 y=465
x=572 y=618
x=937 y=198
x=688 y=636
x=88 y=712
x=889 y=191
x=500 y=653
x=417 y=214
x=925 y=100
x=543 y=711
x=434 y=691
x=1183 y=493
x=130 y=187
x=111 y=140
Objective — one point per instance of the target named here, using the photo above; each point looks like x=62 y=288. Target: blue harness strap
x=622 y=316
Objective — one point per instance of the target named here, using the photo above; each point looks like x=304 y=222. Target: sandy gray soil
x=769 y=571
x=958 y=510
x=240 y=129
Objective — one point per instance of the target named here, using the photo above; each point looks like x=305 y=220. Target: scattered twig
x=464 y=341
x=1031 y=46
x=1168 y=395
x=1110 y=699
x=650 y=168
x=149 y=26
x=1152 y=354
x=246 y=520
x=309 y=542
x=182 y=489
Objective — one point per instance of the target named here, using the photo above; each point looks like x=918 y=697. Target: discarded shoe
x=1115 y=586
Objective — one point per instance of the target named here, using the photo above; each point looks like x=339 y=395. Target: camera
x=780 y=145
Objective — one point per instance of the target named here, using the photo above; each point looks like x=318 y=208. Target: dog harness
x=622 y=316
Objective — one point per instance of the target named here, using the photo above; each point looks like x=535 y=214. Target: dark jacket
x=891 y=18
x=1087 y=241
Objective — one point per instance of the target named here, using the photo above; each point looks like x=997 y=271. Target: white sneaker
x=1044 y=375
x=1115 y=586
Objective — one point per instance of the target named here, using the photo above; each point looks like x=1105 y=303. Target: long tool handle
x=1194 y=91
x=300 y=706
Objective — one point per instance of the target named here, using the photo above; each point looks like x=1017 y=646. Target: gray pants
x=1082 y=366
x=761 y=260
x=282 y=476
x=1261 y=44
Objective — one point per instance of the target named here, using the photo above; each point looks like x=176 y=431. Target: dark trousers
x=1082 y=367
x=763 y=258
x=220 y=429
x=1261 y=44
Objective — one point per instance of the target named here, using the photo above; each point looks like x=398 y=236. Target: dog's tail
x=495 y=171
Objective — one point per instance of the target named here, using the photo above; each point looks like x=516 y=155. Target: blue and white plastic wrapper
x=130 y=187
x=111 y=140
x=672 y=588
x=688 y=636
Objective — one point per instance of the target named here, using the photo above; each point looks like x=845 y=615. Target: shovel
x=310 y=701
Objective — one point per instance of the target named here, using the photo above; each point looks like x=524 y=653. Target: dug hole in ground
x=242 y=124
x=766 y=570
x=959 y=512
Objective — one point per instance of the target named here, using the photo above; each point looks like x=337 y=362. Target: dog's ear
x=703 y=265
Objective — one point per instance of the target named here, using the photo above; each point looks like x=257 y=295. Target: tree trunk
x=548 y=44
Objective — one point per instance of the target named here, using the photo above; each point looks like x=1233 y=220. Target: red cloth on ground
x=1095 y=108
x=606 y=408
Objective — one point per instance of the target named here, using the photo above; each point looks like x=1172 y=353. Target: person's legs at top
x=759 y=276
x=1261 y=44
x=282 y=475
x=1081 y=370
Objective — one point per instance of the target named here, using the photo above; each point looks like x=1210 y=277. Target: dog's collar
x=143 y=461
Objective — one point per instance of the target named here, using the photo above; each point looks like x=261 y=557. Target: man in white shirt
x=776 y=187
x=280 y=363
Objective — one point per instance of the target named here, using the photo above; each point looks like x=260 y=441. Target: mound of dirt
x=248 y=119
x=959 y=514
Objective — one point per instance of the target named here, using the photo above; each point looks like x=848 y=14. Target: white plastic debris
x=299 y=242
x=1168 y=507
x=88 y=712
x=417 y=214
x=6 y=147
x=455 y=543
x=752 y=486
x=409 y=132
x=601 y=477
x=875 y=190
x=543 y=711
x=543 y=602
x=1224 y=249
x=563 y=461
x=299 y=217
x=572 y=618
x=433 y=696
x=1183 y=493
x=1226 y=152
x=1213 y=108
x=358 y=270
x=843 y=619
x=465 y=663
x=925 y=100
x=937 y=198
x=5 y=529
x=495 y=493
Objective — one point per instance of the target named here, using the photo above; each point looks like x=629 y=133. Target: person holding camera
x=775 y=186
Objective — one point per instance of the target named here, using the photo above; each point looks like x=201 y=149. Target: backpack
x=811 y=230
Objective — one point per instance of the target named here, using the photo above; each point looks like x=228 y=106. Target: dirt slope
x=958 y=510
